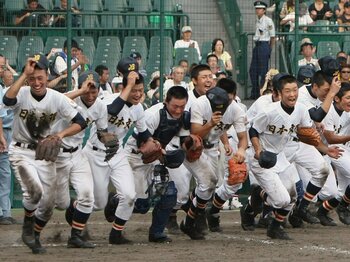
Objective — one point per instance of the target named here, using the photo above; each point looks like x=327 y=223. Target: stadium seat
x=28 y=46
x=190 y=54
x=90 y=22
x=169 y=5
x=54 y=42
x=109 y=42
x=91 y=5
x=346 y=47
x=155 y=41
x=47 y=4
x=135 y=43
x=206 y=49
x=14 y=5
x=115 y=5
x=140 y=5
x=74 y=3
x=139 y=21
x=9 y=48
x=325 y=48
x=112 y=21
x=323 y=26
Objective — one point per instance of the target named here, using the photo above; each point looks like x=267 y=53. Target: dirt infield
x=312 y=243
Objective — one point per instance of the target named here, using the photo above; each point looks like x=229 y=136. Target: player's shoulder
x=301 y=106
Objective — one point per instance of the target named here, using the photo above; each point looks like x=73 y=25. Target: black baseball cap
x=126 y=65
x=305 y=74
x=218 y=98
x=135 y=55
x=89 y=75
x=260 y=4
x=329 y=67
x=41 y=61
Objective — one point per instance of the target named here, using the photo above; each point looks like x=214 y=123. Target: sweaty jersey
x=120 y=124
x=54 y=106
x=201 y=113
x=258 y=105
x=96 y=114
x=307 y=99
x=276 y=127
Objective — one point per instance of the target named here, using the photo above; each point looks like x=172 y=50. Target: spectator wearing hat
x=117 y=83
x=344 y=19
x=304 y=18
x=319 y=10
x=307 y=49
x=186 y=40
x=264 y=39
x=137 y=56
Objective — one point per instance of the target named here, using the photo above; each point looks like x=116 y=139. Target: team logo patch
x=90 y=77
x=307 y=80
x=270 y=27
x=131 y=67
x=37 y=57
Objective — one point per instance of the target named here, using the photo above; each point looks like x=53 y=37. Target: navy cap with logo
x=126 y=65
x=305 y=74
x=260 y=4
x=41 y=61
x=276 y=80
x=218 y=98
x=89 y=75
x=329 y=67
x=135 y=55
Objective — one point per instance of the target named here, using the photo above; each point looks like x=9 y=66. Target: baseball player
x=233 y=116
x=163 y=121
x=72 y=166
x=36 y=109
x=336 y=123
x=270 y=131
x=123 y=111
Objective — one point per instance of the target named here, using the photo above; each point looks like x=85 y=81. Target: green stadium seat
x=112 y=21
x=140 y=5
x=323 y=26
x=325 y=48
x=140 y=21
x=90 y=21
x=11 y=9
x=54 y=42
x=206 y=49
x=110 y=42
x=190 y=54
x=9 y=48
x=346 y=47
x=135 y=43
x=74 y=3
x=47 y=4
x=28 y=46
x=115 y=5
x=91 y=5
x=155 y=41
x=169 y=5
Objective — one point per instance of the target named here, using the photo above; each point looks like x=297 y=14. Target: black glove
x=267 y=159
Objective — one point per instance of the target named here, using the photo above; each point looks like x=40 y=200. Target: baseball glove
x=237 y=172
x=48 y=148
x=308 y=135
x=111 y=143
x=151 y=151
x=194 y=147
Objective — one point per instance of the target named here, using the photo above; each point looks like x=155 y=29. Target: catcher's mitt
x=237 y=172
x=308 y=135
x=151 y=151
x=194 y=147
x=111 y=143
x=48 y=148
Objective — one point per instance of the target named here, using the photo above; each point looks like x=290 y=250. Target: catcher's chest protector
x=167 y=128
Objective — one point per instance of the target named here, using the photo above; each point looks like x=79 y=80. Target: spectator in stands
x=184 y=64
x=307 y=49
x=221 y=74
x=217 y=48
x=304 y=18
x=319 y=10
x=213 y=63
x=60 y=62
x=177 y=79
x=137 y=56
x=86 y=66
x=287 y=8
x=344 y=19
x=339 y=8
x=117 y=83
x=153 y=84
x=60 y=20
x=6 y=120
x=342 y=57
x=7 y=78
x=345 y=73
x=27 y=17
x=264 y=39
x=105 y=86
x=186 y=41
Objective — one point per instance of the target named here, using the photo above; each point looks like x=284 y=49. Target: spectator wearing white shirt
x=177 y=74
x=304 y=18
x=186 y=40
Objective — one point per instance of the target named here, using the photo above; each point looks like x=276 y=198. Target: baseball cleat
x=247 y=220
x=201 y=223
x=213 y=221
x=159 y=238
x=191 y=231
x=111 y=207
x=264 y=222
x=295 y=220
x=305 y=215
x=76 y=241
x=276 y=231
x=343 y=214
x=325 y=220
x=172 y=226
x=28 y=232
x=38 y=248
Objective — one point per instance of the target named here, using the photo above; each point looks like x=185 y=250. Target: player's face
x=289 y=94
x=90 y=97
x=344 y=103
x=38 y=82
x=176 y=107
x=135 y=94
x=203 y=82
x=321 y=91
x=2 y=65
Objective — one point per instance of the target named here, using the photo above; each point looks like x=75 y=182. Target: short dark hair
x=288 y=79
x=183 y=60
x=213 y=44
x=100 y=68
x=318 y=79
x=212 y=55
x=197 y=69
x=141 y=80
x=74 y=44
x=177 y=92
x=228 y=85
x=30 y=1
x=345 y=87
